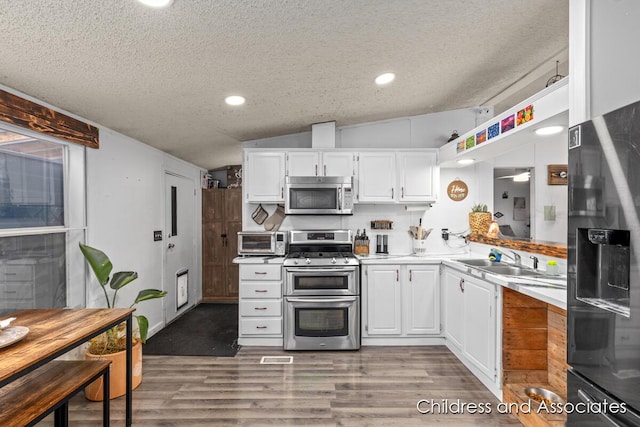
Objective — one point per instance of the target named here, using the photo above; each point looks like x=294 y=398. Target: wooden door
x=221 y=221
x=213 y=250
x=233 y=224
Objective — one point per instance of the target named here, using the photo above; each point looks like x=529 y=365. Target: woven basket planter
x=479 y=223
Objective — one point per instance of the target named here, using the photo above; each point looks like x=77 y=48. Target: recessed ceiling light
x=465 y=161
x=156 y=3
x=385 y=78
x=549 y=130
x=234 y=100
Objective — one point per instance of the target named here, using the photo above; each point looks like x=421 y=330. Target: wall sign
x=457 y=190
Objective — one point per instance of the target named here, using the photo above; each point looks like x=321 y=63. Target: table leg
x=106 y=415
x=129 y=371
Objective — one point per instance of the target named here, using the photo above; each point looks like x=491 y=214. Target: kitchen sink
x=477 y=262
x=505 y=269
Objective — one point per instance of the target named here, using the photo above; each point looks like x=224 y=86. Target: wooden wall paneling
x=557 y=350
x=525 y=318
x=29 y=115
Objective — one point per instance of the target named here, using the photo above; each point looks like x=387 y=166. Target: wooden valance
x=29 y=115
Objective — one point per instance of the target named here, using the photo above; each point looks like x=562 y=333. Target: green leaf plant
x=114 y=340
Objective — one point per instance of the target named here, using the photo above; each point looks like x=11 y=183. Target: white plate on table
x=12 y=334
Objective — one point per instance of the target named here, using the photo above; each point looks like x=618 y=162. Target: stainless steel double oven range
x=321 y=291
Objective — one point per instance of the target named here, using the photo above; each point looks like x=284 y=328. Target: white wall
x=125 y=204
x=603 y=60
x=423 y=131
x=613 y=57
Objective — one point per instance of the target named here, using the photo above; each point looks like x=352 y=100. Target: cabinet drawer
x=256 y=308
x=18 y=273
x=261 y=272
x=260 y=289
x=261 y=326
x=16 y=291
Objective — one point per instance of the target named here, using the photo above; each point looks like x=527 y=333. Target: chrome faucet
x=517 y=260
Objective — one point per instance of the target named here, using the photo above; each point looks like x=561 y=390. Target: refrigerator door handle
x=588 y=399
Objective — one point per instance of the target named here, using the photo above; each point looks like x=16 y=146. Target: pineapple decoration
x=479 y=220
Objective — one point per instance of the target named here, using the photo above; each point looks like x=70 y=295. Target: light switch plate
x=157 y=235
x=549 y=213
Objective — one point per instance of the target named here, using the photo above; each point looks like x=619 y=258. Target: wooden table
x=53 y=332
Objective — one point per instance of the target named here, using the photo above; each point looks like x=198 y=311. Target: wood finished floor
x=371 y=387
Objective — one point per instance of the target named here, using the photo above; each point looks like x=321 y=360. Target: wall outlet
x=445 y=234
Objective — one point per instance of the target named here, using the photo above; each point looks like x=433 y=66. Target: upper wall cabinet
x=402 y=177
x=418 y=176
x=320 y=163
x=382 y=176
x=264 y=176
x=376 y=176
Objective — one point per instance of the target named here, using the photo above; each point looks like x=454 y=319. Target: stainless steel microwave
x=262 y=243
x=318 y=195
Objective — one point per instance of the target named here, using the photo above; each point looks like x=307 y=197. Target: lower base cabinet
x=400 y=301
x=260 y=305
x=471 y=323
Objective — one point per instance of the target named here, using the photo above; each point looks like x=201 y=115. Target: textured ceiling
x=161 y=76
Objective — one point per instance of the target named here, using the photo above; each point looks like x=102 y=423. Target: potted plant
x=479 y=219
x=112 y=343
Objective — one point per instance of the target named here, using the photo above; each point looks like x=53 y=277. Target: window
x=41 y=221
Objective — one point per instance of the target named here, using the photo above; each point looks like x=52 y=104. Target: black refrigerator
x=603 y=275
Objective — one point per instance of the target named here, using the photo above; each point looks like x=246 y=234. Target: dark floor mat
x=206 y=330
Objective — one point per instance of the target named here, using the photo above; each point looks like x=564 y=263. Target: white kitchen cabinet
x=480 y=325
x=453 y=302
x=260 y=305
x=421 y=305
x=401 y=300
x=264 y=176
x=471 y=326
x=320 y=163
x=304 y=163
x=417 y=176
x=338 y=163
x=384 y=300
x=376 y=176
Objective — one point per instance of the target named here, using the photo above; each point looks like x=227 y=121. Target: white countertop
x=400 y=259
x=551 y=291
x=258 y=260
x=541 y=289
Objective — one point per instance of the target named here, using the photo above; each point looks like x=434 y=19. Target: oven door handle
x=321 y=270
x=321 y=300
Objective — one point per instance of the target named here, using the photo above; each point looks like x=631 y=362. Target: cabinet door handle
x=260 y=308
x=461 y=284
x=260 y=272
x=261 y=291
x=392 y=192
x=261 y=327
x=325 y=170
x=411 y=275
x=282 y=192
x=10 y=274
x=397 y=275
x=402 y=196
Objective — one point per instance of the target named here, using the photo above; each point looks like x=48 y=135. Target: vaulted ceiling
x=161 y=75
